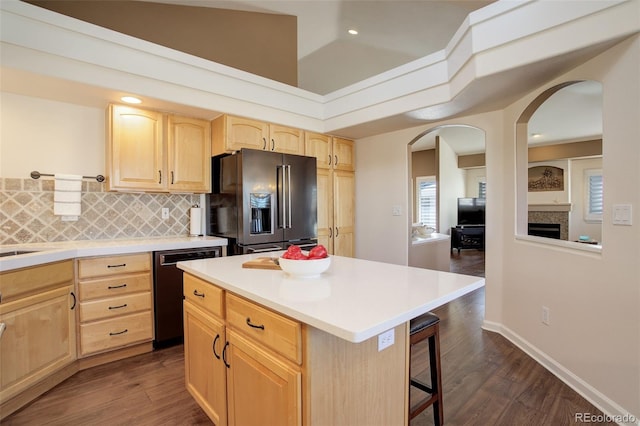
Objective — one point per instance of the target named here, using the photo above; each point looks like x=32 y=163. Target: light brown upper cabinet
x=155 y=152
x=331 y=152
x=189 y=155
x=336 y=191
x=230 y=133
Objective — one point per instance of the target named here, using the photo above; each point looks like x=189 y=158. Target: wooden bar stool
x=427 y=326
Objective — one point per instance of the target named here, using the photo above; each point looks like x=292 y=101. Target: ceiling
x=570 y=114
x=390 y=33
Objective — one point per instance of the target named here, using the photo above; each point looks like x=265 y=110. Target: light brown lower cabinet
x=234 y=378
x=205 y=372
x=247 y=365
x=115 y=302
x=37 y=336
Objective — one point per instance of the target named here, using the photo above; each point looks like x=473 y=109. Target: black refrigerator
x=263 y=201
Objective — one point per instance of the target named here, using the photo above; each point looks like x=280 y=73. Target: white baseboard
x=591 y=394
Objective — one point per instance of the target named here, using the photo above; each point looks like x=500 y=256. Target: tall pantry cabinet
x=336 y=191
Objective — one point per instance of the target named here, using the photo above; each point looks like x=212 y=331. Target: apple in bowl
x=297 y=263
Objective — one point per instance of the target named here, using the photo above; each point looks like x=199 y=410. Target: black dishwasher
x=167 y=292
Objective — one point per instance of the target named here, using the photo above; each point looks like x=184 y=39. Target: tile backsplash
x=26 y=213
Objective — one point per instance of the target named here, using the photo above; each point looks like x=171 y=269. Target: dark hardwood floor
x=486 y=380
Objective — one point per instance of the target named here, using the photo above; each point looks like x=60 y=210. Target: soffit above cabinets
x=479 y=70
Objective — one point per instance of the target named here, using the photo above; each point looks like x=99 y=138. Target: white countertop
x=354 y=300
x=63 y=250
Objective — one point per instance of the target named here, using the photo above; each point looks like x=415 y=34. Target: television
x=471 y=211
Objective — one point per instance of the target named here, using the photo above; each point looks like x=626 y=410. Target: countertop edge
x=59 y=251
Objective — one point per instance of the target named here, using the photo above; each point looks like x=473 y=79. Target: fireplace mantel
x=551 y=207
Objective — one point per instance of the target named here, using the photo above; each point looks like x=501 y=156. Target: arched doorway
x=446 y=164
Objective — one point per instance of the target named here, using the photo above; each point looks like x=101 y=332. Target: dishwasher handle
x=173 y=258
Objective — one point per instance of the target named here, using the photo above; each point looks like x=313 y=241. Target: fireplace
x=548 y=230
x=551 y=217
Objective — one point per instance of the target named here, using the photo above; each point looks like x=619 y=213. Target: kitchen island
x=311 y=344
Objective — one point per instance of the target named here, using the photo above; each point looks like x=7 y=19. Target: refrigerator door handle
x=284 y=195
x=289 y=195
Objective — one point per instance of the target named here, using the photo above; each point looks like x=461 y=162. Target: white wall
x=593 y=342
x=451 y=186
x=50 y=137
x=473 y=177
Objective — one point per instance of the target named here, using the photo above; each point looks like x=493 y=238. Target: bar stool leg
x=428 y=328
x=436 y=377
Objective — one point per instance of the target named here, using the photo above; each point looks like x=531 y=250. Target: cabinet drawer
x=203 y=295
x=273 y=330
x=114 y=265
x=115 y=286
x=114 y=306
x=121 y=331
x=30 y=281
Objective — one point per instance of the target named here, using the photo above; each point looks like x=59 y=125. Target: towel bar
x=36 y=175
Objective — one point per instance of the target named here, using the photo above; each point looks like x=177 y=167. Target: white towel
x=66 y=196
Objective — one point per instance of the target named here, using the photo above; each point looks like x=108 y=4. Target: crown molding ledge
x=482 y=52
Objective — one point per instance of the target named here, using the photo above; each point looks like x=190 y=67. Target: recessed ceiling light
x=130 y=100
x=536 y=135
x=353 y=31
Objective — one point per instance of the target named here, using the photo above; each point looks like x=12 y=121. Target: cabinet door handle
x=250 y=324
x=122 y=265
x=171 y=177
x=118 y=307
x=329 y=159
x=74 y=301
x=273 y=144
x=264 y=143
x=159 y=176
x=336 y=232
x=214 y=346
x=224 y=355
x=118 y=332
x=111 y=287
x=195 y=293
x=330 y=232
x=335 y=163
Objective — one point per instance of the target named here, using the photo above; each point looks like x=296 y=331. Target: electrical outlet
x=396 y=210
x=545 y=315
x=386 y=339
x=165 y=213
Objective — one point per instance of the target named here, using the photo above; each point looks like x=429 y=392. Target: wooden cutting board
x=261 y=263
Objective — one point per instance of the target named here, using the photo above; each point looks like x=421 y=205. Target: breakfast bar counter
x=354 y=299
x=264 y=347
